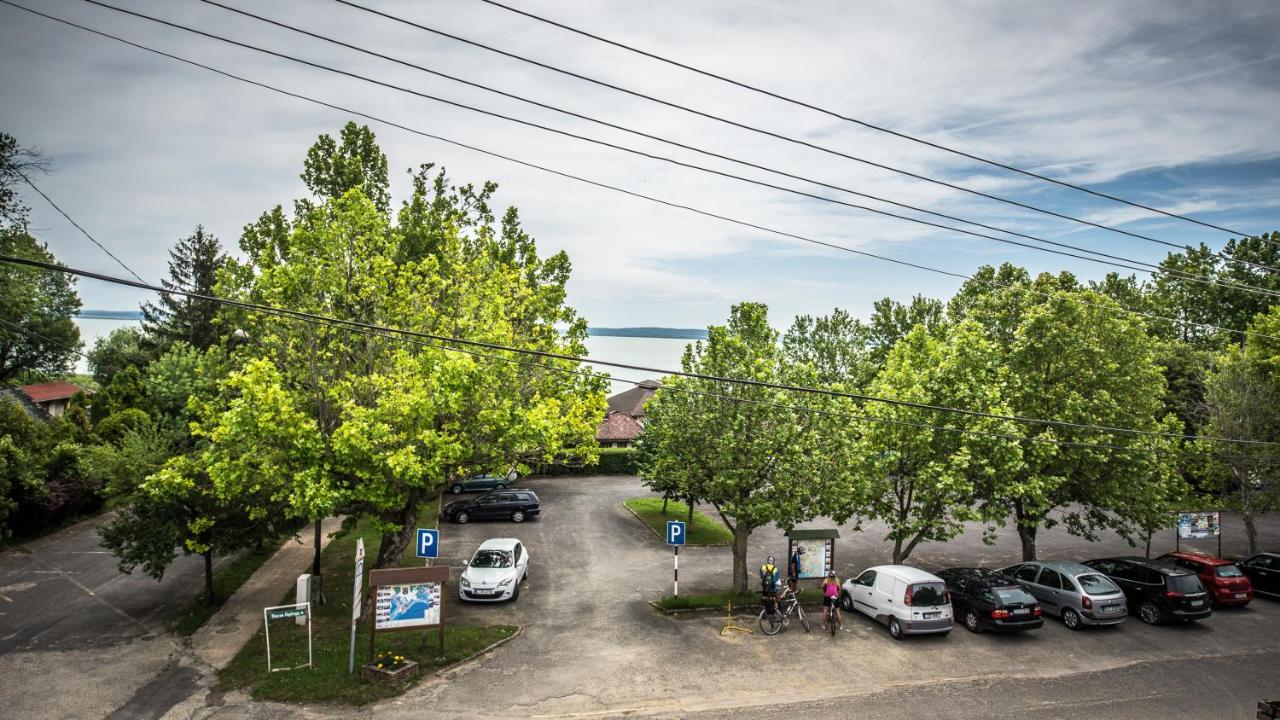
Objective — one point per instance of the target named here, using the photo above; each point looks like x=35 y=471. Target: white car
x=907 y=599
x=495 y=572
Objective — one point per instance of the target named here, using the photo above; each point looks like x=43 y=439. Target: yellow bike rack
x=728 y=623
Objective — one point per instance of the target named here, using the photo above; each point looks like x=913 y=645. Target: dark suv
x=1158 y=591
x=1263 y=570
x=507 y=504
x=986 y=600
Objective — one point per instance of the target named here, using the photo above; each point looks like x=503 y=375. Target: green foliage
x=42 y=475
x=125 y=391
x=611 y=461
x=332 y=169
x=121 y=348
x=703 y=530
x=113 y=428
x=194 y=264
x=38 y=338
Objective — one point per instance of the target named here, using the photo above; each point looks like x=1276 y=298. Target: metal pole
x=675 y=591
x=351 y=661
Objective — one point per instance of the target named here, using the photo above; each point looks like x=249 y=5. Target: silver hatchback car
x=1076 y=593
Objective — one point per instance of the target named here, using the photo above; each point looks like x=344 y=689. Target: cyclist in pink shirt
x=831 y=600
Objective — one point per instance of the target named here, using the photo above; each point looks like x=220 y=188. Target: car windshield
x=1227 y=571
x=1096 y=585
x=929 y=594
x=491 y=559
x=1185 y=584
x=1013 y=596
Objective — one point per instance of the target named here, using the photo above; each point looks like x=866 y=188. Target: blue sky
x=1172 y=104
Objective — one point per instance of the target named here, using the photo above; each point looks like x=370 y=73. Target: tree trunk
x=1028 y=537
x=1250 y=531
x=897 y=552
x=665 y=498
x=741 y=534
x=315 y=559
x=317 y=577
x=1148 y=555
x=689 y=521
x=209 y=596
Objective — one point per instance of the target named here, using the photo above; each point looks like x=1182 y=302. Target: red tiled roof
x=618 y=427
x=631 y=402
x=45 y=392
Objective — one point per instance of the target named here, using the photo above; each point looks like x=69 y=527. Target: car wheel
x=1071 y=619
x=846 y=602
x=1149 y=614
x=517 y=516
x=462 y=517
x=500 y=486
x=895 y=628
x=456 y=489
x=515 y=594
x=971 y=621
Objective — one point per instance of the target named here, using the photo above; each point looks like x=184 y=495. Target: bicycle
x=772 y=619
x=829 y=617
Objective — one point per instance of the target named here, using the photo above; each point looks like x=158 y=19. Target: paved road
x=592 y=645
x=70 y=620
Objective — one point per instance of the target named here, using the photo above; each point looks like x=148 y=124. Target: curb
x=463 y=663
x=659 y=535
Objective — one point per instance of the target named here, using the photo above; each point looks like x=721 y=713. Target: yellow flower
x=379 y=666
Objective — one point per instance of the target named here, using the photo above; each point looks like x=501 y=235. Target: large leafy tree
x=1070 y=355
x=918 y=471
x=363 y=423
x=194 y=263
x=37 y=334
x=753 y=453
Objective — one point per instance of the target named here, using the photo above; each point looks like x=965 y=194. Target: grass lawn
x=704 y=531
x=328 y=680
x=225 y=582
x=720 y=600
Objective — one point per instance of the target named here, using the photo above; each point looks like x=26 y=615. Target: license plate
x=1240 y=595
x=931 y=616
x=481 y=592
x=1021 y=611
x=1110 y=609
x=1197 y=603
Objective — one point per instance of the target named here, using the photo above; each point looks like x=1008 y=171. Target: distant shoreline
x=636 y=332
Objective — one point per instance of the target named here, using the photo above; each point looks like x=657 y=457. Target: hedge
x=613 y=461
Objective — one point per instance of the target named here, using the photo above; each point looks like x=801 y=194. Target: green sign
x=284 y=613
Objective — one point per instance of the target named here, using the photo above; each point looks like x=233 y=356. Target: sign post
x=428 y=544
x=675 y=538
x=356 y=602
x=299 y=611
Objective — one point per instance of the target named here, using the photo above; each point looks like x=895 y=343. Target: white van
x=909 y=600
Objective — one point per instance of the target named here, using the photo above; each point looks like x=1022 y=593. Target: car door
x=1025 y=575
x=522 y=561
x=1055 y=590
x=863 y=592
x=1263 y=572
x=486 y=507
x=962 y=591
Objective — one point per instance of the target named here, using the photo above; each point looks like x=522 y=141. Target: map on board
x=402 y=606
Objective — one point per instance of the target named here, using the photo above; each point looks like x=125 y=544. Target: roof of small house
x=631 y=402
x=16 y=396
x=618 y=427
x=46 y=392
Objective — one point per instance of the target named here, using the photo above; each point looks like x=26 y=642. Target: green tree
x=121 y=348
x=194 y=263
x=921 y=481
x=37 y=334
x=751 y=457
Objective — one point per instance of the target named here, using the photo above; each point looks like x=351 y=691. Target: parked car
x=1226 y=583
x=483 y=483
x=1263 y=571
x=986 y=600
x=1077 y=594
x=908 y=600
x=1157 y=591
x=515 y=505
x=495 y=571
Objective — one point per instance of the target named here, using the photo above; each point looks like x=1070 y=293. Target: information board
x=1194 y=525
x=407 y=606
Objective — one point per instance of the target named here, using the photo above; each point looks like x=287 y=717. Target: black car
x=986 y=600
x=1263 y=571
x=1157 y=591
x=507 y=504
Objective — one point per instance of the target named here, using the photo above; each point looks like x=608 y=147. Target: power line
x=46 y=338
x=624 y=191
x=720 y=156
x=856 y=121
x=744 y=126
x=77 y=226
x=341 y=322
x=673 y=161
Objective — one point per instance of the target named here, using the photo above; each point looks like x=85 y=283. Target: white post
x=303 y=595
x=675 y=591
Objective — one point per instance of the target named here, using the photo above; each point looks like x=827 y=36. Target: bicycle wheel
x=770 y=623
x=803 y=620
x=831 y=622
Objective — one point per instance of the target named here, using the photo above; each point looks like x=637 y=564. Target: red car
x=1226 y=584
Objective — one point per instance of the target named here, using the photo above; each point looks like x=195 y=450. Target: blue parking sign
x=428 y=543
x=675 y=532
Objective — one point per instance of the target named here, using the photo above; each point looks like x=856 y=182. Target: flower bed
x=389 y=669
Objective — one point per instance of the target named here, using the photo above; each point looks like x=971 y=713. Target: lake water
x=662 y=353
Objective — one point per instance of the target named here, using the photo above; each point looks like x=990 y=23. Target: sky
x=1172 y=104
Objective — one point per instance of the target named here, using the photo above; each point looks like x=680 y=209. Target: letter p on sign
x=428 y=543
x=675 y=532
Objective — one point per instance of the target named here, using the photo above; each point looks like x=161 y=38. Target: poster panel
x=407 y=606
x=1196 y=525
x=815 y=558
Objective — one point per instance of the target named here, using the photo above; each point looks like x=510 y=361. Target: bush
x=613 y=461
x=112 y=429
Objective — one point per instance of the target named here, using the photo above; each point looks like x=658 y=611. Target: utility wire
x=320 y=66
x=46 y=338
x=77 y=226
x=710 y=153
x=341 y=322
x=779 y=136
x=856 y=121
x=624 y=191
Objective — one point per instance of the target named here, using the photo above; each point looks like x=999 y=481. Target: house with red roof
x=624 y=421
x=43 y=400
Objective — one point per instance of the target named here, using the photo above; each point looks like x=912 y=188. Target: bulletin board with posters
x=816 y=552
x=1199 y=525
x=407 y=599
